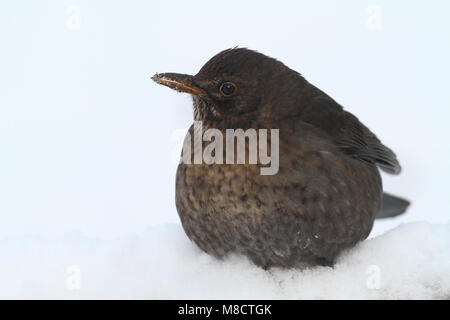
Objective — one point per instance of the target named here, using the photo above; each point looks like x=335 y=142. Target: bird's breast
x=319 y=199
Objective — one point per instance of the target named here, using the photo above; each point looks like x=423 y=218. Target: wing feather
x=349 y=134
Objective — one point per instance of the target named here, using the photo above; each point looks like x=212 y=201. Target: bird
x=327 y=191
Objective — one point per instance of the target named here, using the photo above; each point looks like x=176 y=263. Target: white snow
x=410 y=262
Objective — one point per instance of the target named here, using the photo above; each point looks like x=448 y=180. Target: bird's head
x=238 y=84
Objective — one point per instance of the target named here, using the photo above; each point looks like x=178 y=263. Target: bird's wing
x=349 y=134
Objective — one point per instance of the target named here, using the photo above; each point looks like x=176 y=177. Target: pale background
x=87 y=139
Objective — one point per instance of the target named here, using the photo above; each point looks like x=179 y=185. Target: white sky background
x=86 y=137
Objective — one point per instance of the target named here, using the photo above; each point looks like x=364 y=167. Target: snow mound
x=409 y=262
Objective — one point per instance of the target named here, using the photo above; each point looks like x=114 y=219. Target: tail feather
x=392 y=206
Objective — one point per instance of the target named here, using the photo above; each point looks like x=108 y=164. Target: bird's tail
x=392 y=206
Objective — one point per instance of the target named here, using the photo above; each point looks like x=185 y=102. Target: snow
x=410 y=262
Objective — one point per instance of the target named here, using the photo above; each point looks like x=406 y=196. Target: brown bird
x=327 y=191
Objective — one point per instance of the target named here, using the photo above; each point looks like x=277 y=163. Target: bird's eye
x=227 y=89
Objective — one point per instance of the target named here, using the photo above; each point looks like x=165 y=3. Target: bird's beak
x=179 y=82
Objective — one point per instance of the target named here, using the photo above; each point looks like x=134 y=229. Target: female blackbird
x=327 y=191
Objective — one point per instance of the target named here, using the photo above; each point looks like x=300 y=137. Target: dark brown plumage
x=327 y=192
